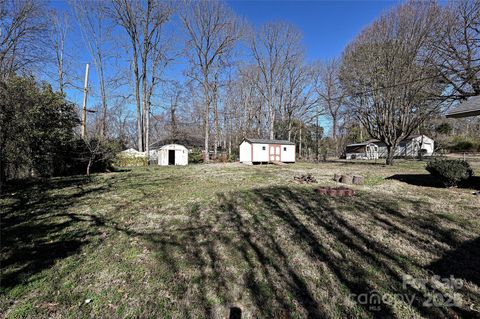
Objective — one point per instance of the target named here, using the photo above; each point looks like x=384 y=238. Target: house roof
x=470 y=107
x=375 y=141
x=265 y=141
x=187 y=141
x=364 y=143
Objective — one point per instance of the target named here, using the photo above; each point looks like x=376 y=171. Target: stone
x=347 y=179
x=358 y=180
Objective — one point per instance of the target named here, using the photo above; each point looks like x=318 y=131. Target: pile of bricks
x=335 y=191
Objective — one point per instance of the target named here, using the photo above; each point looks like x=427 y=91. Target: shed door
x=274 y=152
x=171 y=157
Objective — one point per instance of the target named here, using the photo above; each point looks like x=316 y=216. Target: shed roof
x=172 y=146
x=470 y=107
x=265 y=141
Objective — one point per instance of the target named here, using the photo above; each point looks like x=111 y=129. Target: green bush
x=450 y=172
x=464 y=144
x=195 y=156
x=125 y=161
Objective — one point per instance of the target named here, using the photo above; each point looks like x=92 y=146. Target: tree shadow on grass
x=37 y=229
x=463 y=262
x=427 y=180
x=273 y=252
x=295 y=253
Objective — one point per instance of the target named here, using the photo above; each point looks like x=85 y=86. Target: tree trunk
x=2 y=170
x=390 y=155
x=173 y=119
x=300 y=145
x=206 y=121
x=137 y=100
x=334 y=133
x=289 y=130
x=147 y=133
x=89 y=165
x=272 y=123
x=144 y=94
x=103 y=126
x=216 y=120
x=229 y=146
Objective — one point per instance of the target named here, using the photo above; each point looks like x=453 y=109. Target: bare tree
x=330 y=93
x=298 y=99
x=143 y=23
x=174 y=95
x=391 y=87
x=213 y=31
x=96 y=32
x=275 y=45
x=456 y=47
x=58 y=36
x=23 y=28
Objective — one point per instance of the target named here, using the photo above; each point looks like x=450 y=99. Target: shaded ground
x=221 y=241
x=431 y=181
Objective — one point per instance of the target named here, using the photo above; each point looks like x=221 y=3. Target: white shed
x=266 y=151
x=172 y=154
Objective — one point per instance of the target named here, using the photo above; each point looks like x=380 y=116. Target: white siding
x=289 y=154
x=245 y=152
x=409 y=148
x=181 y=154
x=260 y=152
x=425 y=143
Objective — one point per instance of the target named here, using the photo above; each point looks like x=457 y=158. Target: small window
x=284 y=149
x=263 y=148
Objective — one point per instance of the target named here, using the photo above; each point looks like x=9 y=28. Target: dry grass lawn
x=204 y=240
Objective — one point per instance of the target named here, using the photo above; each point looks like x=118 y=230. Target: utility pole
x=84 y=114
x=300 y=145
x=316 y=135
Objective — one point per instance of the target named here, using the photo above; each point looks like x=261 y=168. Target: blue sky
x=328 y=26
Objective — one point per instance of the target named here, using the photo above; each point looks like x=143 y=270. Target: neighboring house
x=365 y=150
x=171 y=154
x=409 y=147
x=470 y=107
x=266 y=151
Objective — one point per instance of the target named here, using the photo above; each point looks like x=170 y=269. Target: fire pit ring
x=335 y=191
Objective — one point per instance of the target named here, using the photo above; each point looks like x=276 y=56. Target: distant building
x=170 y=154
x=266 y=151
x=365 y=150
x=470 y=107
x=374 y=149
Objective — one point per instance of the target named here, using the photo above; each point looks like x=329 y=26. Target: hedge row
x=125 y=161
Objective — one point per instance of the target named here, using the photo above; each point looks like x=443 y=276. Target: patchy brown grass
x=181 y=242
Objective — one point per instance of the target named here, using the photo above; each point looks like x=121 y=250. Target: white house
x=410 y=147
x=266 y=151
x=374 y=149
x=171 y=154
